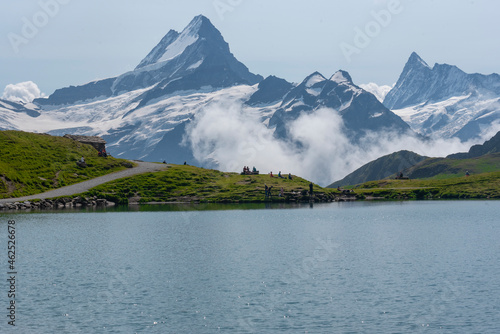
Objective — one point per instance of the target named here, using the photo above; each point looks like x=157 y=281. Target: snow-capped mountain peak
x=341 y=77
x=419 y=83
x=416 y=61
x=174 y=43
x=360 y=111
x=445 y=101
x=313 y=79
x=195 y=58
x=159 y=50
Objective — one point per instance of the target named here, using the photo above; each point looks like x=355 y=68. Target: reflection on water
x=169 y=207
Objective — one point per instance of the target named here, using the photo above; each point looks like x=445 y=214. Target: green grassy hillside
x=380 y=168
x=193 y=184
x=440 y=178
x=33 y=163
x=476 y=186
x=443 y=168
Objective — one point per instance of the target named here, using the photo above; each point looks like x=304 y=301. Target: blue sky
x=79 y=41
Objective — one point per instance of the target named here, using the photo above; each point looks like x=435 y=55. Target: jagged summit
x=270 y=90
x=313 y=79
x=159 y=50
x=195 y=58
x=416 y=60
x=444 y=100
x=360 y=110
x=341 y=77
x=419 y=83
x=175 y=43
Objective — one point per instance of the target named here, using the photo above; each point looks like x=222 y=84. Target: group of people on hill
x=103 y=153
x=281 y=176
x=267 y=191
x=246 y=170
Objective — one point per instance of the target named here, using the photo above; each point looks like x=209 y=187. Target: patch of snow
x=177 y=47
x=347 y=104
x=187 y=37
x=314 y=80
x=31 y=106
x=423 y=63
x=491 y=113
x=195 y=65
x=297 y=103
x=445 y=118
x=314 y=91
x=339 y=77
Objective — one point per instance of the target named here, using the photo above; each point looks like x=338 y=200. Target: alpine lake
x=360 y=267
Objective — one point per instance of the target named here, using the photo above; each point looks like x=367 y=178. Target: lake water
x=420 y=267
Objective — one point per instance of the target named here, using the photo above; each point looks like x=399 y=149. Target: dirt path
x=142 y=167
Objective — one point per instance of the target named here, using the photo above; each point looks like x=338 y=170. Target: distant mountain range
x=361 y=111
x=143 y=114
x=146 y=113
x=445 y=102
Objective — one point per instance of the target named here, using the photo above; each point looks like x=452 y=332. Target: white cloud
x=22 y=92
x=233 y=136
x=224 y=133
x=380 y=92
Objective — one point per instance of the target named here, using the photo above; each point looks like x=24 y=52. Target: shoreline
x=66 y=204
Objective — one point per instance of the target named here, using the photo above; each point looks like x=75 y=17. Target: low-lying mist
x=231 y=136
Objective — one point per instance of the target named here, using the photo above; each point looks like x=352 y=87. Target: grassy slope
x=33 y=163
x=441 y=178
x=380 y=168
x=485 y=185
x=442 y=168
x=188 y=183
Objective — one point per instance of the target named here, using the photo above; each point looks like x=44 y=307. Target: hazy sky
x=78 y=41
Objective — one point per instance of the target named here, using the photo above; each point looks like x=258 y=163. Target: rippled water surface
x=335 y=268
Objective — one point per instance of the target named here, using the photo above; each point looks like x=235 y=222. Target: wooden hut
x=97 y=142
